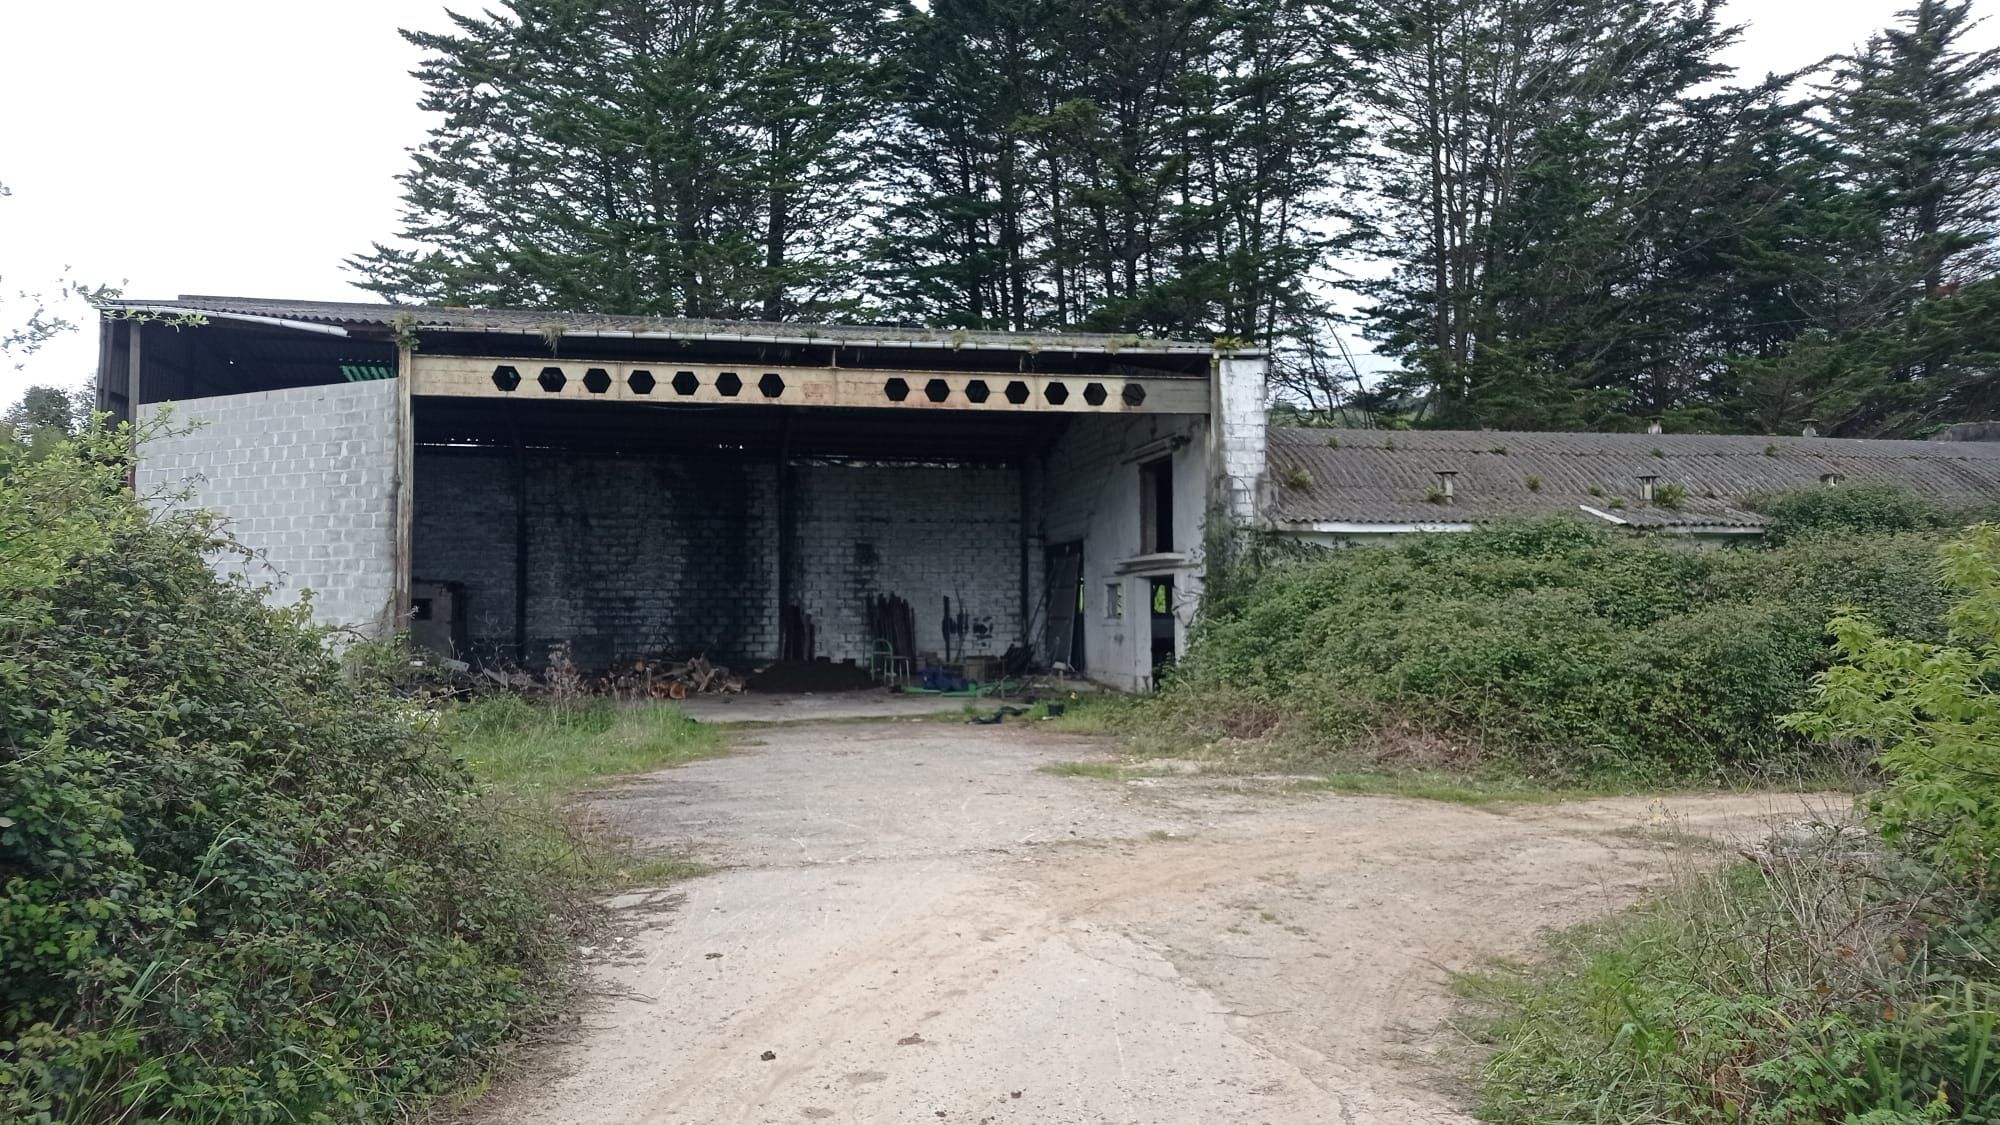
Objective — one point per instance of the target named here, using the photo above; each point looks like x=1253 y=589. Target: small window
x=1114 y=600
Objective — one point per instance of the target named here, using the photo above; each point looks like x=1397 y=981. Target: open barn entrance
x=630 y=531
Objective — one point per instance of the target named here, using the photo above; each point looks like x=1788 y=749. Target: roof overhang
x=339 y=317
x=245 y=318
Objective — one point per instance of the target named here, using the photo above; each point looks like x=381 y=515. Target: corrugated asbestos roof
x=359 y=314
x=1389 y=476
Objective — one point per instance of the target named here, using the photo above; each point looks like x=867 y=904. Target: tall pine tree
x=680 y=157
x=1590 y=229
x=1904 y=338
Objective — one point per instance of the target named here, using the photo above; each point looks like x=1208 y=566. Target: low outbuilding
x=1346 y=487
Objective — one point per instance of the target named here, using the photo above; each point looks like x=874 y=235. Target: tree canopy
x=1555 y=213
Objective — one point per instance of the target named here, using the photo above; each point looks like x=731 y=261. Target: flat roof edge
x=517 y=322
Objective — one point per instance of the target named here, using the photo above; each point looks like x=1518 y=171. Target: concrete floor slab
x=915 y=923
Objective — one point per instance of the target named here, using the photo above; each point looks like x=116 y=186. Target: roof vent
x=1446 y=479
x=1648 y=482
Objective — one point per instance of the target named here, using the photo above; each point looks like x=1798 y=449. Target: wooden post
x=405 y=500
x=520 y=539
x=783 y=514
x=1026 y=511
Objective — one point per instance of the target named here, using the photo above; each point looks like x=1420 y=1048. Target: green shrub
x=1555 y=647
x=1860 y=509
x=1841 y=977
x=1931 y=712
x=237 y=883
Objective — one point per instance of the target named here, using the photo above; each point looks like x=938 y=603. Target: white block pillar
x=1238 y=453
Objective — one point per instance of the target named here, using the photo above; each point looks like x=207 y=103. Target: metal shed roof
x=1389 y=477
x=339 y=317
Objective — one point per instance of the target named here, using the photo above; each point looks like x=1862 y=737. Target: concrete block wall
x=1090 y=492
x=1242 y=402
x=304 y=476
x=921 y=532
x=627 y=556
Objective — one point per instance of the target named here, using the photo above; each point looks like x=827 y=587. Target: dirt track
x=916 y=925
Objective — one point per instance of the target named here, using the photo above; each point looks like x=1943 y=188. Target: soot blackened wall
x=626 y=555
x=922 y=532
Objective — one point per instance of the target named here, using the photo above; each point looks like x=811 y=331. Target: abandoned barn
x=509 y=480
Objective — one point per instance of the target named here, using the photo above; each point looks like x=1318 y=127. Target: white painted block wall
x=305 y=477
x=1242 y=403
x=1089 y=483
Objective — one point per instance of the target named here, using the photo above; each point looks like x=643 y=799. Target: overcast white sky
x=246 y=147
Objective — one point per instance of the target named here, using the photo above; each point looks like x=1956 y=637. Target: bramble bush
x=1931 y=712
x=1849 y=979
x=237 y=882
x=1551 y=648
x=1858 y=509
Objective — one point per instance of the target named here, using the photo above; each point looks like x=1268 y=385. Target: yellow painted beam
x=710 y=384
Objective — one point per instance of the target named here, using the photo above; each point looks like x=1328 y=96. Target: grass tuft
x=1827 y=986
x=533 y=759
x=1103 y=771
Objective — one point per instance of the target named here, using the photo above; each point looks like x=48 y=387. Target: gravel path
x=914 y=923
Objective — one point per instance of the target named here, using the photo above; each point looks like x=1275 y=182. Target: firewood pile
x=648 y=678
x=669 y=679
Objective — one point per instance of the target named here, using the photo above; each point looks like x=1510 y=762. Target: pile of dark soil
x=794 y=676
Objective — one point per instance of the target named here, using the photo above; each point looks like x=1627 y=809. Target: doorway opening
x=1161 y=613
x=1064 y=640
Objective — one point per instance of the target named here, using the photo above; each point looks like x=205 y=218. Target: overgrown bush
x=237 y=883
x=1845 y=979
x=1551 y=647
x=1859 y=509
x=1931 y=711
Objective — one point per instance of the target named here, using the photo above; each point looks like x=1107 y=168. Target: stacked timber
x=660 y=679
x=891 y=619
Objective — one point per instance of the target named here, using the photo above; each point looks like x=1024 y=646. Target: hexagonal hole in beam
x=506 y=378
x=552 y=379
x=771 y=385
x=937 y=390
x=1134 y=394
x=641 y=382
x=1095 y=394
x=1056 y=393
x=896 y=389
x=729 y=384
x=1017 y=392
x=597 y=380
x=978 y=391
x=685 y=383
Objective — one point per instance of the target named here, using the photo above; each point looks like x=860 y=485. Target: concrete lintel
x=778 y=385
